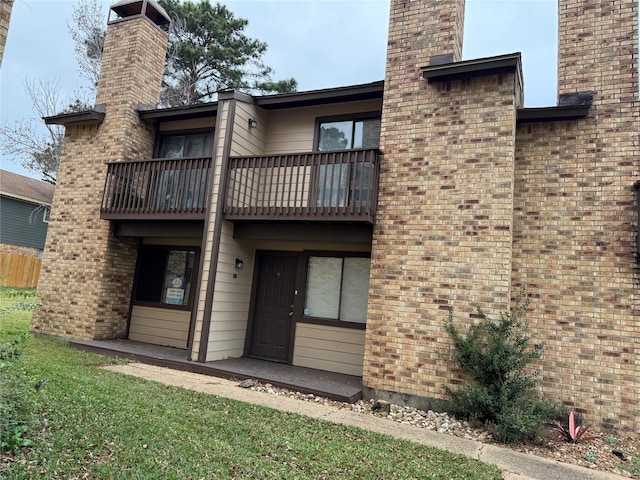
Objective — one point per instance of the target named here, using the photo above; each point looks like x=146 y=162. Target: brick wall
x=443 y=229
x=472 y=208
x=5 y=17
x=87 y=274
x=576 y=220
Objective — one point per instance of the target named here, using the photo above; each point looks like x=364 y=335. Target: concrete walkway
x=514 y=465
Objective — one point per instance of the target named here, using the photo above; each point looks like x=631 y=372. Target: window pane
x=152 y=263
x=332 y=185
x=172 y=147
x=323 y=287
x=370 y=134
x=335 y=136
x=164 y=275
x=361 y=184
x=177 y=279
x=357 y=134
x=355 y=290
x=197 y=145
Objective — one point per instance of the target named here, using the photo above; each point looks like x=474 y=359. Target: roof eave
x=200 y=110
x=351 y=93
x=552 y=114
x=479 y=67
x=87 y=117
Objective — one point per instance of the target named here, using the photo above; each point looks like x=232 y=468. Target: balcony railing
x=156 y=189
x=322 y=186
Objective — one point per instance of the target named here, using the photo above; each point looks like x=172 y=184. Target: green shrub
x=499 y=392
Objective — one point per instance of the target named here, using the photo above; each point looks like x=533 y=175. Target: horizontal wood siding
x=219 y=135
x=231 y=298
x=292 y=130
x=333 y=349
x=248 y=140
x=192 y=124
x=159 y=326
x=22 y=223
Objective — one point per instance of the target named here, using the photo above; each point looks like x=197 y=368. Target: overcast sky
x=321 y=43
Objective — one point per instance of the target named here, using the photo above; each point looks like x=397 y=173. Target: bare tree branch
x=26 y=142
x=87 y=30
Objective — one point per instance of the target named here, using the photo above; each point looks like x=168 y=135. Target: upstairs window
x=179 y=188
x=185 y=145
x=348 y=134
x=345 y=183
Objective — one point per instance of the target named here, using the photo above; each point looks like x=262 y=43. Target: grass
x=92 y=423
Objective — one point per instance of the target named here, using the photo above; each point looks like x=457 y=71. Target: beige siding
x=277 y=132
x=193 y=124
x=231 y=298
x=291 y=130
x=248 y=141
x=159 y=326
x=221 y=128
x=333 y=349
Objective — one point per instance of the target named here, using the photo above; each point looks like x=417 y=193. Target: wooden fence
x=20 y=271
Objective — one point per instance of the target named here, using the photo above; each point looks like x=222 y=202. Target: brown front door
x=273 y=312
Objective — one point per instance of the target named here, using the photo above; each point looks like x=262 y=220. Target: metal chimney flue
x=150 y=9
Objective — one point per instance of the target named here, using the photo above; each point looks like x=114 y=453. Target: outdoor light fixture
x=239 y=263
x=253 y=123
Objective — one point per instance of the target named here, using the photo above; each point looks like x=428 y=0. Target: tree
x=209 y=52
x=87 y=30
x=38 y=150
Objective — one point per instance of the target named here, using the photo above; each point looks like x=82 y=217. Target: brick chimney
x=443 y=230
x=87 y=273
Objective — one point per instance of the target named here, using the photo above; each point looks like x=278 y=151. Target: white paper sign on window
x=175 y=293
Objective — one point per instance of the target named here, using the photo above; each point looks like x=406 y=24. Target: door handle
x=291 y=314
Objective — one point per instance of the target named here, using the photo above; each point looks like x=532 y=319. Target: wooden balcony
x=156 y=189
x=322 y=186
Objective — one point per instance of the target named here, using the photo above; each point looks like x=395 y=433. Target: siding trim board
x=215 y=251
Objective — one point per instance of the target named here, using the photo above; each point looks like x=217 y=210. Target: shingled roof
x=25 y=188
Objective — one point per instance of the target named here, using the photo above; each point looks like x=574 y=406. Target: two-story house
x=334 y=229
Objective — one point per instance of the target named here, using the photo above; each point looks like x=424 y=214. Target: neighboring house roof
x=24 y=188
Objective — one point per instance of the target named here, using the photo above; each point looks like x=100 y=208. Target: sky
x=321 y=43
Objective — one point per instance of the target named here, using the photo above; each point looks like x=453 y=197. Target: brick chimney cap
x=148 y=8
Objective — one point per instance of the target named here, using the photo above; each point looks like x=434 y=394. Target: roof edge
x=22 y=198
x=363 y=91
x=87 y=117
x=149 y=114
x=478 y=67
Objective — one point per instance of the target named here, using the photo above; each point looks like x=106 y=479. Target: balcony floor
x=336 y=386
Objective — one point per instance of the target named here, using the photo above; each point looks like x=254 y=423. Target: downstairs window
x=164 y=276
x=338 y=288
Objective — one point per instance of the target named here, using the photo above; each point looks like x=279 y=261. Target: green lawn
x=92 y=423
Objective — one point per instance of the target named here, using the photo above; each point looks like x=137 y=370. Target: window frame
x=301 y=317
x=342 y=118
x=194 y=276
